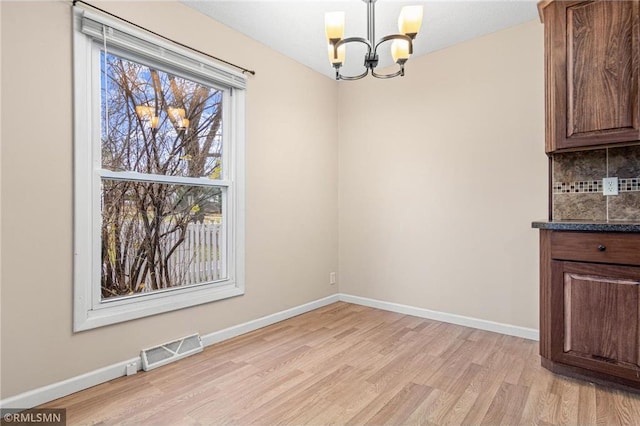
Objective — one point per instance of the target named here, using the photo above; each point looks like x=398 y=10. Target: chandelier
x=409 y=23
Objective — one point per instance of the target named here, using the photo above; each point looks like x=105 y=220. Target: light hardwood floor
x=349 y=364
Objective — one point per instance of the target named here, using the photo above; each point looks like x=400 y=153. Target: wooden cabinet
x=590 y=304
x=599 y=317
x=591 y=57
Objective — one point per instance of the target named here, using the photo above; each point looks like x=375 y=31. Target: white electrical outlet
x=610 y=186
x=132 y=368
x=332 y=278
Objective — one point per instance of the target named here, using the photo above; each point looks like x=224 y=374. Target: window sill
x=108 y=313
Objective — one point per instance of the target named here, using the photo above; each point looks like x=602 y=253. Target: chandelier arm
x=352 y=40
x=351 y=78
x=400 y=72
x=394 y=37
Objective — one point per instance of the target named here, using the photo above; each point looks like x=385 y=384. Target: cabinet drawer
x=622 y=249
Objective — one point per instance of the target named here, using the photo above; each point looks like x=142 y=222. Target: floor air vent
x=171 y=351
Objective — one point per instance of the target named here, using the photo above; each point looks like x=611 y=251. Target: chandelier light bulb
x=410 y=20
x=400 y=51
x=176 y=113
x=145 y=112
x=334 y=25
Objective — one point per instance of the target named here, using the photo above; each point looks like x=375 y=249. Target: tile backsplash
x=577 y=185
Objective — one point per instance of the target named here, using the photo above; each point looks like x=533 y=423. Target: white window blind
x=137 y=41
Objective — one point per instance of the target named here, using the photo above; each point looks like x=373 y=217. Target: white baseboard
x=237 y=330
x=57 y=390
x=511 y=330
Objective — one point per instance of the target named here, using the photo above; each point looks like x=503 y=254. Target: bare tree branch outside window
x=158 y=235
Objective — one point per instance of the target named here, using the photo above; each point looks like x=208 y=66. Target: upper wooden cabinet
x=591 y=58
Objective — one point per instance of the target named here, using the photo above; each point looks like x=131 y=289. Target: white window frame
x=90 y=311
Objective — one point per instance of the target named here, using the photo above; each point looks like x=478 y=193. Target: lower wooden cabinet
x=599 y=315
x=590 y=311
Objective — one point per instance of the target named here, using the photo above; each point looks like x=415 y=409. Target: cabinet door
x=598 y=307
x=592 y=52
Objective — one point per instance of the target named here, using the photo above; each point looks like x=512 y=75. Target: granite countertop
x=589 y=226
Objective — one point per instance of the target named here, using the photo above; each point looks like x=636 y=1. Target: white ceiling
x=296 y=28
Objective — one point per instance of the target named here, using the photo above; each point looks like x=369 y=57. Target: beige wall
x=292 y=162
x=441 y=174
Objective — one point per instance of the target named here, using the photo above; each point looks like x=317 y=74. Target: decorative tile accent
x=624 y=185
x=577 y=187
x=629 y=185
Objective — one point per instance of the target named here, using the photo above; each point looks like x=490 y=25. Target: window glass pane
x=158 y=123
x=157 y=236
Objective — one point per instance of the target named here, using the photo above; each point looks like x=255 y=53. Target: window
x=159 y=188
